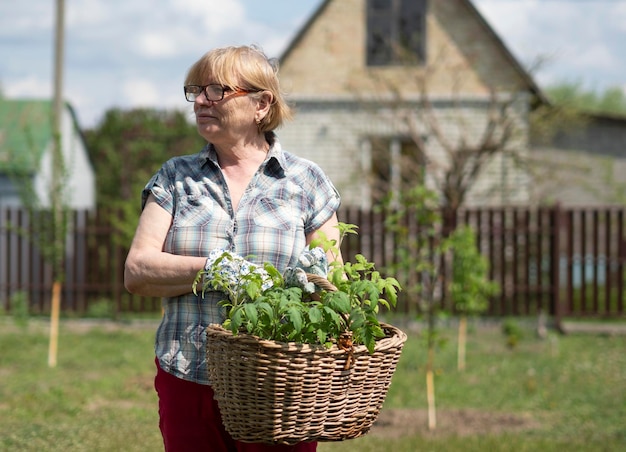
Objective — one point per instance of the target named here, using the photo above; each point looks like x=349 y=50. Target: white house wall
x=331 y=133
x=79 y=184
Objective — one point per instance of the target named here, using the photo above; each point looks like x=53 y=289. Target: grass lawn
x=561 y=393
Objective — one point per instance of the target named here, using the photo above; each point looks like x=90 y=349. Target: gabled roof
x=534 y=88
x=25 y=131
x=303 y=30
x=475 y=14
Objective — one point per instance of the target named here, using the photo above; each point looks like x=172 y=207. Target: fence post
x=555 y=267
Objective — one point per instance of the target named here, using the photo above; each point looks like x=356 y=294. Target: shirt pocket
x=194 y=210
x=275 y=214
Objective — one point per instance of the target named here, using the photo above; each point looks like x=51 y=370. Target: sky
x=135 y=53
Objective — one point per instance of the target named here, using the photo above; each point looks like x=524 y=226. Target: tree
x=421 y=250
x=572 y=94
x=48 y=225
x=455 y=142
x=128 y=147
x=470 y=287
x=48 y=212
x=447 y=146
x=57 y=187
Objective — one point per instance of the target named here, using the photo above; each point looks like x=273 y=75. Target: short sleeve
x=161 y=186
x=324 y=200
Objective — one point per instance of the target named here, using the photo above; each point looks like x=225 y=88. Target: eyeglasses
x=212 y=92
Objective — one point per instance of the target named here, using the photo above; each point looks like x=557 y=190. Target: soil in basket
x=394 y=423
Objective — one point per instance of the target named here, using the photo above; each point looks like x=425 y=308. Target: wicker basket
x=285 y=393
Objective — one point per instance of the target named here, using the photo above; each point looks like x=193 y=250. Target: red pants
x=190 y=420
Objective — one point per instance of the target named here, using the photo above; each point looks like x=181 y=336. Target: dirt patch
x=599 y=328
x=144 y=383
x=394 y=423
x=99 y=403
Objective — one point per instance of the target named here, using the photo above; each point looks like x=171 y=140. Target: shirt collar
x=208 y=153
x=276 y=151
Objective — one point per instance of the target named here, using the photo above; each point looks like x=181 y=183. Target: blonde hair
x=247 y=68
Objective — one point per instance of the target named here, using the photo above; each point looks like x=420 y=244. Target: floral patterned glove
x=228 y=268
x=312 y=261
x=223 y=265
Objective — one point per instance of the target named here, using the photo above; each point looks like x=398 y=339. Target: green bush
x=20 y=308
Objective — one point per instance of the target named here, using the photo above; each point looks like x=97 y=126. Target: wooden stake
x=54 y=324
x=430 y=388
x=430 y=392
x=462 y=343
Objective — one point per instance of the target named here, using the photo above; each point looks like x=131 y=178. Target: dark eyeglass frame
x=203 y=89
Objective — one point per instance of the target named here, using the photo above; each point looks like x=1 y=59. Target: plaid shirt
x=288 y=198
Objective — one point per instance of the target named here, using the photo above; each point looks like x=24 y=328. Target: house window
x=397 y=164
x=396 y=32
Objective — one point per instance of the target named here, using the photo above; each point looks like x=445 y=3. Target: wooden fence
x=566 y=262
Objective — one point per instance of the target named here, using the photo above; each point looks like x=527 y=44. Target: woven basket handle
x=321 y=282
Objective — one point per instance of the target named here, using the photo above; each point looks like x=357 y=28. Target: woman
x=240 y=193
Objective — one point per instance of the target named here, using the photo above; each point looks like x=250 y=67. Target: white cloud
x=216 y=16
x=531 y=29
x=576 y=41
x=598 y=55
x=87 y=13
x=153 y=44
x=136 y=52
x=618 y=12
x=25 y=17
x=140 y=92
x=32 y=86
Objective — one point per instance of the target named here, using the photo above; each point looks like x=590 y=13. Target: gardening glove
x=230 y=267
x=312 y=261
x=296 y=277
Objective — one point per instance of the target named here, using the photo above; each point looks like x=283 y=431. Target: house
x=26 y=141
x=583 y=164
x=386 y=91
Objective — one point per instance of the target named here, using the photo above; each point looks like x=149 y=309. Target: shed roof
x=25 y=131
